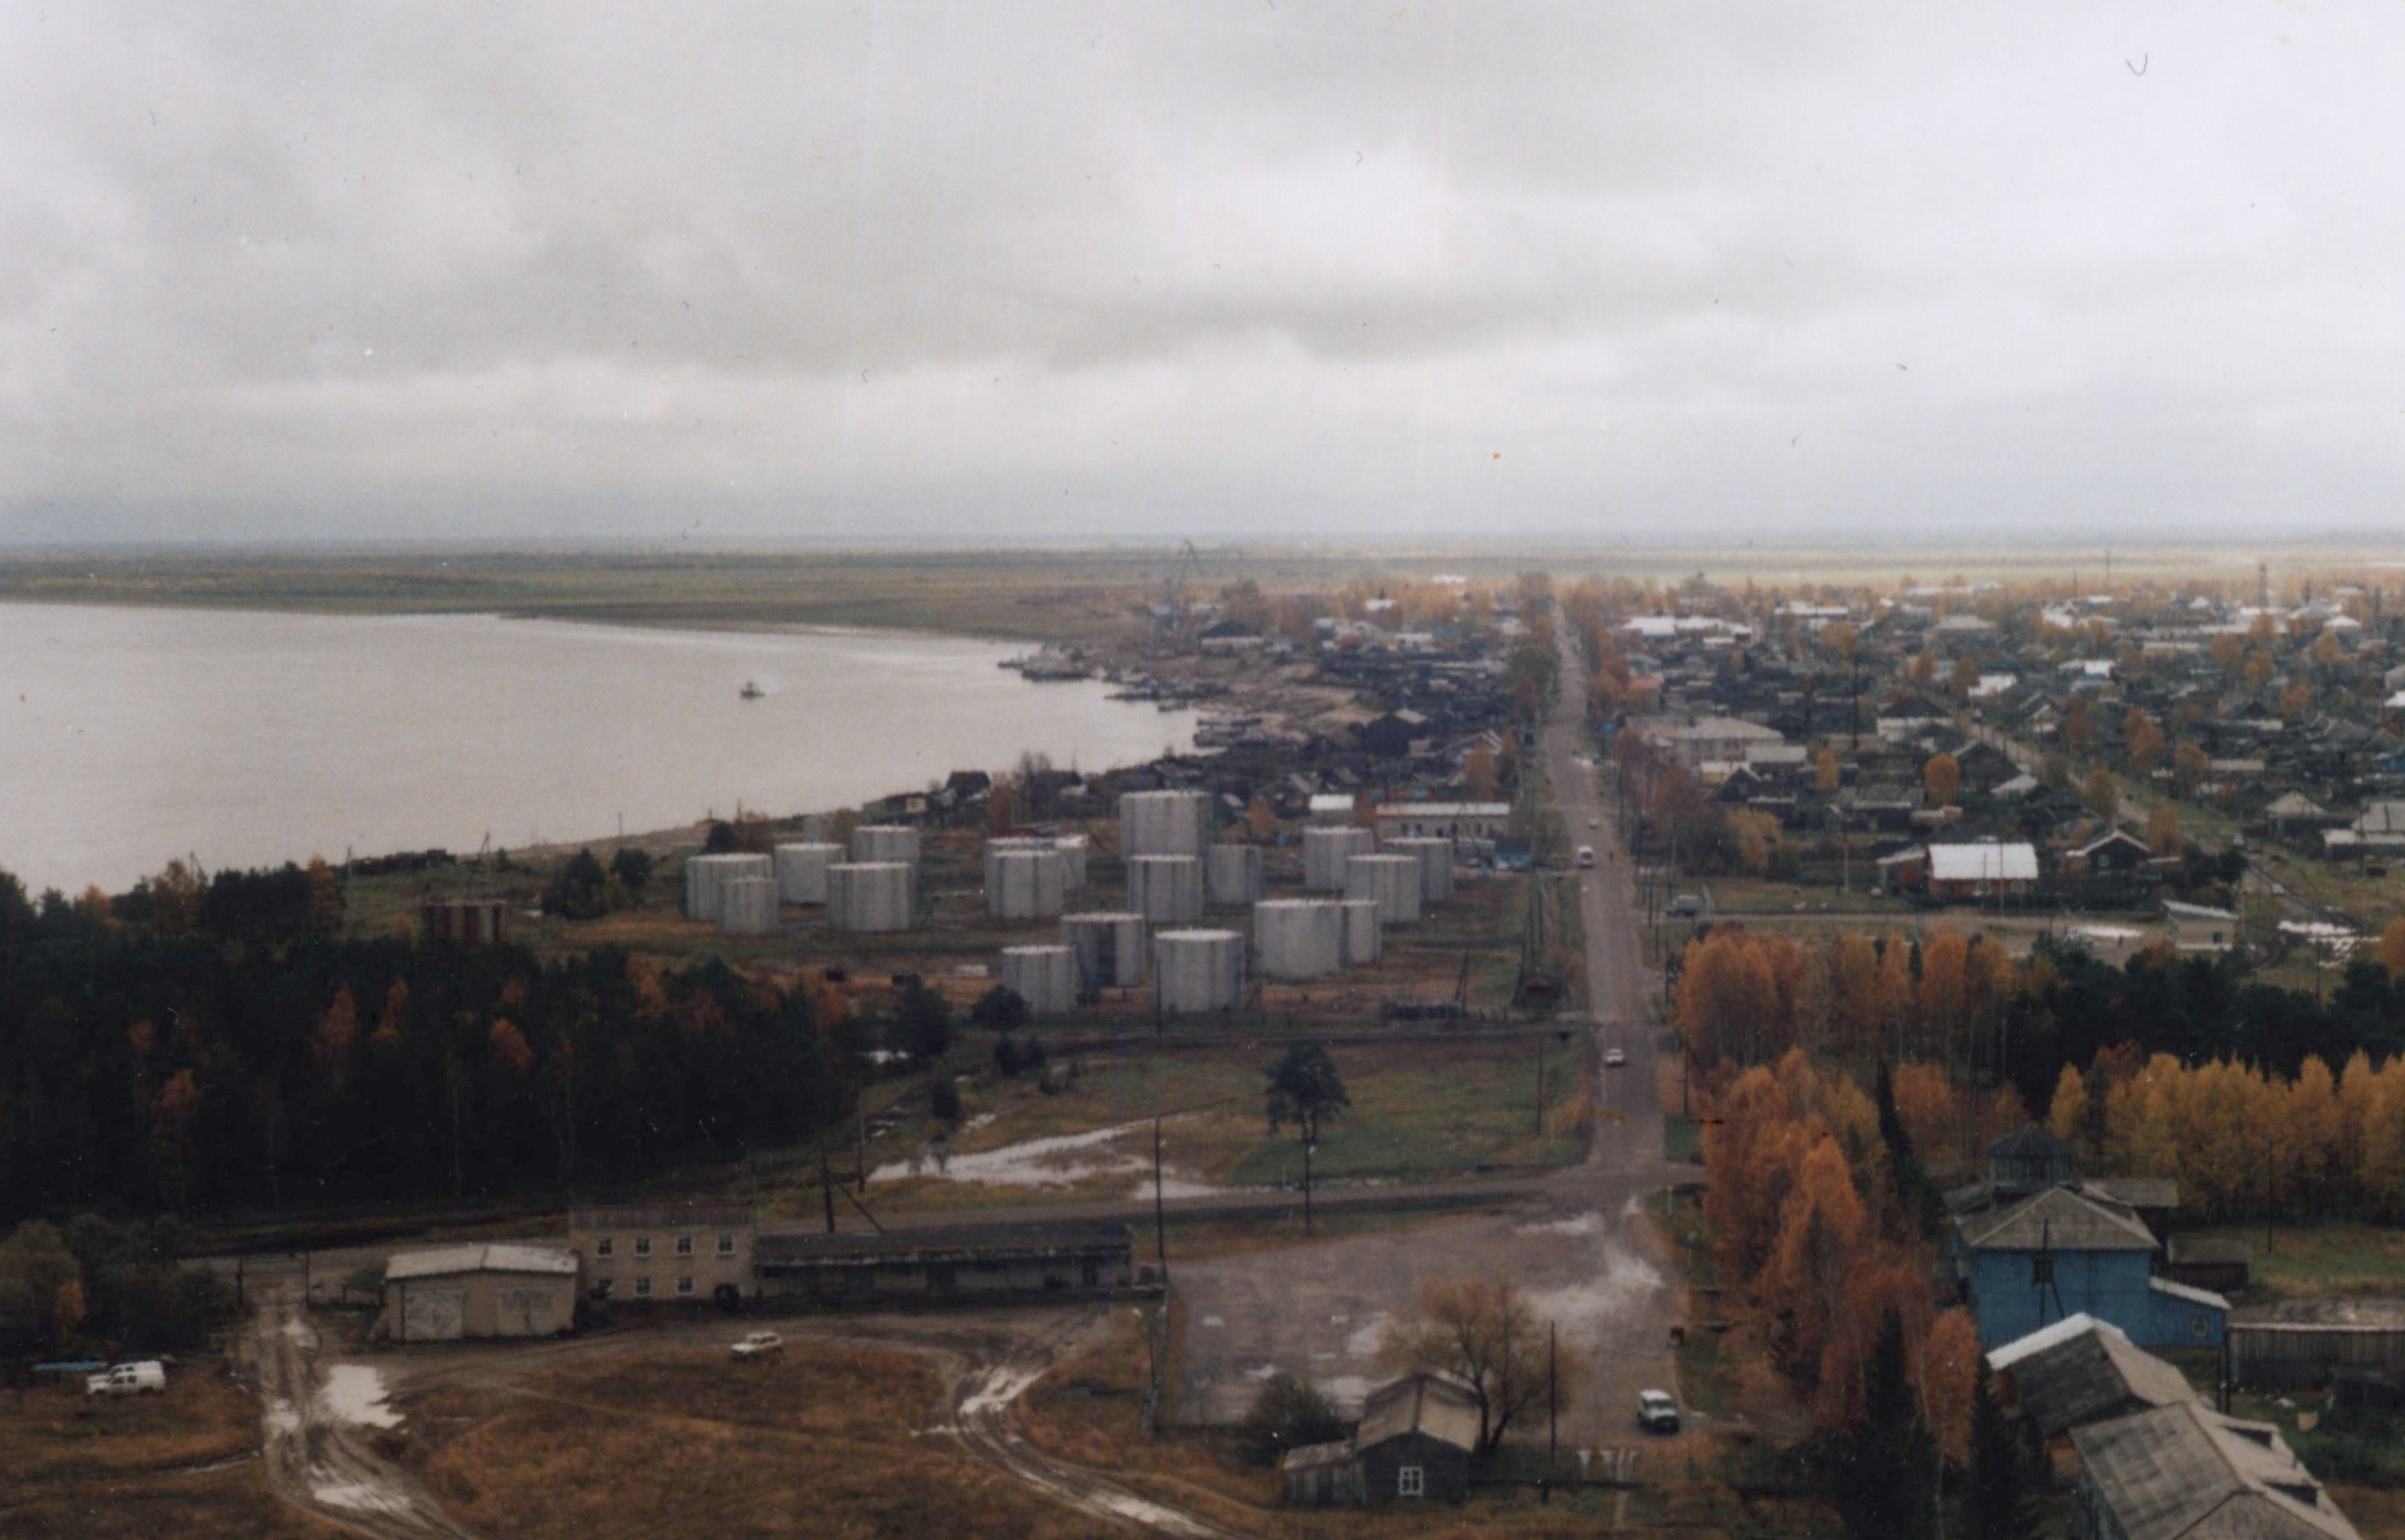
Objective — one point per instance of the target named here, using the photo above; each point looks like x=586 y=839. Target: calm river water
x=129 y=737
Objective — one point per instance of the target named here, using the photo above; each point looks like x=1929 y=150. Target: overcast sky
x=1290 y=270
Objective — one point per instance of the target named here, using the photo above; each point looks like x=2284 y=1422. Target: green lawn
x=2329 y=1257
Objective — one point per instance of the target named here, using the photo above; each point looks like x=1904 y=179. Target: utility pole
x=1306 y=1186
x=1553 y=1413
x=1159 y=1223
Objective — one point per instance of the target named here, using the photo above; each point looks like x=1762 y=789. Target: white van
x=1586 y=857
x=146 y=1378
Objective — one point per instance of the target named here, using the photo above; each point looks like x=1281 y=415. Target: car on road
x=1594 y=823
x=1613 y=1058
x=146 y=1378
x=1585 y=856
x=760 y=1345
x=1657 y=1412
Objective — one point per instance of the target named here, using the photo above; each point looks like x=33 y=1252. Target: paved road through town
x=1577 y=1243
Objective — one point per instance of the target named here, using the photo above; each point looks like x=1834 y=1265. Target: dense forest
x=1965 y=1003
x=195 y=1048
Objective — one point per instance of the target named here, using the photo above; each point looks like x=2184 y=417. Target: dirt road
x=314 y=1433
x=985 y=1390
x=1577 y=1243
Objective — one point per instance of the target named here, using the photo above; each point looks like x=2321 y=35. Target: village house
x=2184 y=1471
x=1973 y=871
x=1412 y=1445
x=1484 y=820
x=2081 y=1370
x=2033 y=1245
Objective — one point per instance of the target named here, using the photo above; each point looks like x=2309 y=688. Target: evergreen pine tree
x=1997 y=1504
x=1879 y=1472
x=1917 y=1198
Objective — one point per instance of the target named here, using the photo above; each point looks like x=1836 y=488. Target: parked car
x=1613 y=1058
x=146 y=1377
x=760 y=1345
x=1686 y=906
x=1586 y=856
x=1657 y=1412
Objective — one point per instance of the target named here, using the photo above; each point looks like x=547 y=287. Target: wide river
x=130 y=736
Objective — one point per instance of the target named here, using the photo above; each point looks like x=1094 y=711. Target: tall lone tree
x=1305 y=1090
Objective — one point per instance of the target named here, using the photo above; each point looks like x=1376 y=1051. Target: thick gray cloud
x=976 y=270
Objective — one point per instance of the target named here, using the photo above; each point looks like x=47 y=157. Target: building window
x=727 y=1245
x=1410 y=1481
x=643 y=1287
x=684 y=1245
x=642 y=1245
x=684 y=1286
x=605 y=1247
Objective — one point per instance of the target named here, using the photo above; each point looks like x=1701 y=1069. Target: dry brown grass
x=74 y=1465
x=2378 y=1513
x=827 y=1443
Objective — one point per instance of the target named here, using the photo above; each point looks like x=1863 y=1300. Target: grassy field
x=176 y=1463
x=1421 y=1111
x=2324 y=1258
x=826 y=1442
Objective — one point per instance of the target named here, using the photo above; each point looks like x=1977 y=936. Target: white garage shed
x=448 y=1293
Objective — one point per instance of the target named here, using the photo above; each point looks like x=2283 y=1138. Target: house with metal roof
x=1412 y=1445
x=447 y=1292
x=2072 y=1249
x=1064 y=1259
x=2081 y=1370
x=2185 y=1472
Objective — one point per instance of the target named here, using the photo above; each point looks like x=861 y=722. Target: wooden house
x=1412 y=1445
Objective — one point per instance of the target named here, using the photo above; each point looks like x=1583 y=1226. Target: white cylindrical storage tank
x=1232 y=873
x=1109 y=947
x=705 y=876
x=1325 y=851
x=1166 y=889
x=1363 y=941
x=1198 y=970
x=747 y=906
x=1072 y=848
x=1024 y=884
x=994 y=849
x=1436 y=864
x=879 y=843
x=1043 y=976
x=802 y=872
x=869 y=896
x=1394 y=881
x=1299 y=938
x=1164 y=823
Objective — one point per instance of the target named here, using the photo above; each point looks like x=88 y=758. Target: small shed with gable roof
x=447 y=1292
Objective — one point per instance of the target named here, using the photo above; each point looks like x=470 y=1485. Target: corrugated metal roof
x=2188 y=1291
x=2065 y=1377
x=1983 y=860
x=2186 y=1473
x=436 y=1261
x=2057 y=1219
x=1070 y=1237
x=1423 y=1402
